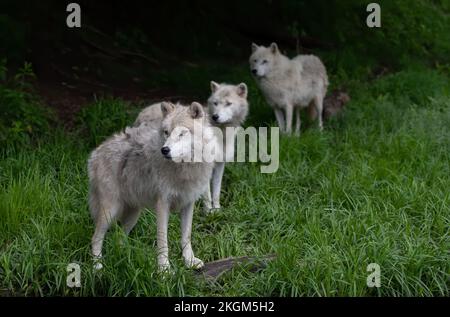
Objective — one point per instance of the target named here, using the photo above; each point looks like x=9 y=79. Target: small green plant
x=21 y=114
x=103 y=118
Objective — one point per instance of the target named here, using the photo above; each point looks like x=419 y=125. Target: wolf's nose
x=215 y=117
x=165 y=150
x=254 y=71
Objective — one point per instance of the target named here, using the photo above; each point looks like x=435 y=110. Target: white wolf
x=137 y=169
x=227 y=107
x=289 y=84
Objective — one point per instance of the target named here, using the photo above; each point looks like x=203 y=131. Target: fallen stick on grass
x=213 y=270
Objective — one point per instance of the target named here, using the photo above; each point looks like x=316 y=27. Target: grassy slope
x=373 y=187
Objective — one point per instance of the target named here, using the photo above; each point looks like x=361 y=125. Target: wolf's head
x=263 y=59
x=185 y=131
x=228 y=104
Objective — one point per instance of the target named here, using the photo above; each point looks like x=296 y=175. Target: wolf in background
x=228 y=107
x=289 y=84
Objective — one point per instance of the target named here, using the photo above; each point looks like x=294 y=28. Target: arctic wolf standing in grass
x=289 y=84
x=151 y=166
x=227 y=107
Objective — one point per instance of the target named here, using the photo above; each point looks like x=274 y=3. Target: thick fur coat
x=135 y=169
x=289 y=84
x=227 y=108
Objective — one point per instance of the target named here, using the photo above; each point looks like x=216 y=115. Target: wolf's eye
x=264 y=61
x=215 y=103
x=228 y=103
x=166 y=132
x=255 y=61
x=182 y=133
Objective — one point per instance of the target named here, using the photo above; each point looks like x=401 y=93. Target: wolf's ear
x=274 y=48
x=254 y=47
x=214 y=86
x=242 y=90
x=166 y=108
x=196 y=110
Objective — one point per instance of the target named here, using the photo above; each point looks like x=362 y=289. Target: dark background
x=149 y=50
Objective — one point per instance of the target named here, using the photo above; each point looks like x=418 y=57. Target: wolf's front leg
x=217 y=183
x=280 y=118
x=318 y=101
x=207 y=198
x=298 y=121
x=162 y=222
x=289 y=114
x=186 y=228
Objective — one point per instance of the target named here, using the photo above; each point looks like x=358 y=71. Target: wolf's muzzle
x=166 y=152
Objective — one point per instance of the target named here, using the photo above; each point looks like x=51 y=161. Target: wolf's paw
x=207 y=209
x=164 y=269
x=97 y=259
x=97 y=266
x=212 y=211
x=194 y=263
x=212 y=208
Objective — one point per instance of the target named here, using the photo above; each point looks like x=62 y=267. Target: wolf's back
x=312 y=66
x=150 y=114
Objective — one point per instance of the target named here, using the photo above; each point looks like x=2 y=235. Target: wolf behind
x=146 y=166
x=289 y=84
x=227 y=108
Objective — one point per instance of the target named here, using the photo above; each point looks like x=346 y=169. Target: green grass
x=373 y=187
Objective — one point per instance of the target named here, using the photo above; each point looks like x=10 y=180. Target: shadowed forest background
x=373 y=187
x=165 y=48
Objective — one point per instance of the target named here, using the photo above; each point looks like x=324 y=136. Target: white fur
x=229 y=103
x=289 y=84
x=129 y=172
